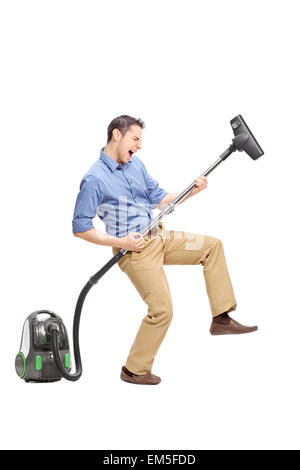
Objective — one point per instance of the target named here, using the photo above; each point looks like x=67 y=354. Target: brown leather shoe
x=224 y=325
x=145 y=379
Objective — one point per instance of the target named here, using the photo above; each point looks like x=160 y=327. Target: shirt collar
x=112 y=164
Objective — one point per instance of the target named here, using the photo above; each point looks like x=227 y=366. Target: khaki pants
x=145 y=270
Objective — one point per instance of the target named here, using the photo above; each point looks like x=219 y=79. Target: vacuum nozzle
x=244 y=140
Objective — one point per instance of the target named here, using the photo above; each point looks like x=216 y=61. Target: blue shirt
x=123 y=196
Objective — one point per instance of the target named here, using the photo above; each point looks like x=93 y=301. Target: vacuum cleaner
x=44 y=354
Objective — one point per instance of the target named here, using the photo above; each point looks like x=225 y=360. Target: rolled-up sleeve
x=88 y=200
x=155 y=192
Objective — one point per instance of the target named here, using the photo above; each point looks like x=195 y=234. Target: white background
x=186 y=68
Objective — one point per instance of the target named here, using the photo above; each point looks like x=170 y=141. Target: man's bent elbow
x=79 y=234
x=84 y=234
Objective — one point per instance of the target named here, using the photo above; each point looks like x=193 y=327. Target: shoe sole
x=233 y=333
x=131 y=381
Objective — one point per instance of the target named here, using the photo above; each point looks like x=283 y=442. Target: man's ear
x=116 y=134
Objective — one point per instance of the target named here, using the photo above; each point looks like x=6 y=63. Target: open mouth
x=130 y=153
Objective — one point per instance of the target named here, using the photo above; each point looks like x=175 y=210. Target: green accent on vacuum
x=38 y=362
x=67 y=361
x=20 y=364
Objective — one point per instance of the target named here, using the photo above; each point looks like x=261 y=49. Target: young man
x=120 y=190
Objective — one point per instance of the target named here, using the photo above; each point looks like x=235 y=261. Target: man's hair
x=123 y=123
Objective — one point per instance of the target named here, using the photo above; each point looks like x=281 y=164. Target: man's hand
x=133 y=242
x=201 y=183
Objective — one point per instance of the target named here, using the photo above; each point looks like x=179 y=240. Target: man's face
x=130 y=143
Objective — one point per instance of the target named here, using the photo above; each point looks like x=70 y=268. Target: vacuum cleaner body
x=35 y=362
